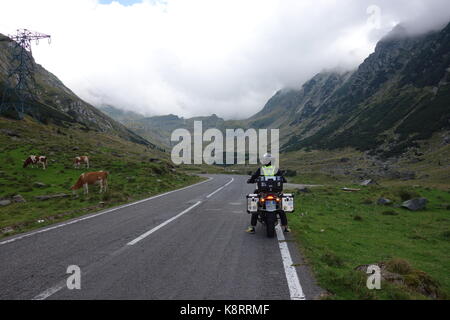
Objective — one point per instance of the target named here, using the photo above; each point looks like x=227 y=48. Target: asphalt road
x=187 y=244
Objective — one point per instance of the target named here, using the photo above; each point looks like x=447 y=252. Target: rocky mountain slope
x=400 y=94
x=55 y=103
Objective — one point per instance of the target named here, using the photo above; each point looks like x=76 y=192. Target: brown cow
x=81 y=160
x=100 y=177
x=35 y=160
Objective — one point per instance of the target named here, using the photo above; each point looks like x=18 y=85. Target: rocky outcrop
x=52 y=196
x=415 y=204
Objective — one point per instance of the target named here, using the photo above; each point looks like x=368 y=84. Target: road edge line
x=26 y=235
x=295 y=288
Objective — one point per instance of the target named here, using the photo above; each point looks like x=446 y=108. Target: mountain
x=160 y=128
x=400 y=94
x=119 y=114
x=55 y=103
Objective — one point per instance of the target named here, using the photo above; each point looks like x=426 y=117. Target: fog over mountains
x=199 y=57
x=399 y=95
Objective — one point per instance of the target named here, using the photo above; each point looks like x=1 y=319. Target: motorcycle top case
x=270 y=184
x=252 y=203
x=287 y=202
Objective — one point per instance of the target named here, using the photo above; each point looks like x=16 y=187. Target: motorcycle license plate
x=271 y=206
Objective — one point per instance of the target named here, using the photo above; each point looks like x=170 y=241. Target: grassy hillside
x=428 y=164
x=136 y=172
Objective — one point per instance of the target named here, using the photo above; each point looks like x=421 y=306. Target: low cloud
x=200 y=57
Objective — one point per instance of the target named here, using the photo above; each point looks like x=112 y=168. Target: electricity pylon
x=21 y=83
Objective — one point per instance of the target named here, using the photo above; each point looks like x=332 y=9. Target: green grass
x=432 y=167
x=338 y=231
x=132 y=175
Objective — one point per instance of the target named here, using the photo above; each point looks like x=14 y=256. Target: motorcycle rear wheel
x=270 y=224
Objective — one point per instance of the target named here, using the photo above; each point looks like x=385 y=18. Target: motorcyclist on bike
x=267 y=170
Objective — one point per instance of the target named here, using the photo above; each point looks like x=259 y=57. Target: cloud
x=200 y=57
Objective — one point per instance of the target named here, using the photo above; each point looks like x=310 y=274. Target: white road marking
x=97 y=214
x=47 y=293
x=211 y=194
x=61 y=285
x=295 y=288
x=162 y=225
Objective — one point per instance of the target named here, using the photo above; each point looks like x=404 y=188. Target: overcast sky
x=198 y=57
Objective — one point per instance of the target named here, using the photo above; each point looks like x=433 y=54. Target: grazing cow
x=81 y=160
x=35 y=160
x=100 y=177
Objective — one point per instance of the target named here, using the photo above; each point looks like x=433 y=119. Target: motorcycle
x=269 y=202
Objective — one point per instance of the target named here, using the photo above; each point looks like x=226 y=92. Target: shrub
x=405 y=194
x=290 y=173
x=332 y=260
x=446 y=235
x=390 y=213
x=399 y=266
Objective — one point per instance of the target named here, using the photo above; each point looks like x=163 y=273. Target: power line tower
x=21 y=82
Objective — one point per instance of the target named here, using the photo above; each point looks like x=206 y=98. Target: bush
x=332 y=260
x=446 y=235
x=290 y=173
x=399 y=266
x=406 y=195
x=390 y=213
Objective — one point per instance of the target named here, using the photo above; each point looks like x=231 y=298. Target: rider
x=267 y=170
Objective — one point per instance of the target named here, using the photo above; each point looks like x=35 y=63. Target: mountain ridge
x=56 y=103
x=397 y=96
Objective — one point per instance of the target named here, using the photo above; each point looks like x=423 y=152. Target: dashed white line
x=97 y=214
x=211 y=194
x=47 y=293
x=143 y=236
x=61 y=285
x=295 y=288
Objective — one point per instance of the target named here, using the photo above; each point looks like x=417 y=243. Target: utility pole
x=19 y=91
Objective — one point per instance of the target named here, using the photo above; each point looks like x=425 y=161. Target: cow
x=35 y=160
x=81 y=160
x=85 y=179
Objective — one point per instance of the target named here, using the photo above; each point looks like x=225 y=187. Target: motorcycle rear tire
x=270 y=224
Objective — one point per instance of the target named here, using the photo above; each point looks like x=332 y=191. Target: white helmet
x=266 y=159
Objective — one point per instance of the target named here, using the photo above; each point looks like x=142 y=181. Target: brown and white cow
x=85 y=179
x=35 y=160
x=81 y=160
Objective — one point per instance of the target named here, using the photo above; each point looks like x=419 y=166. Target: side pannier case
x=288 y=202
x=252 y=203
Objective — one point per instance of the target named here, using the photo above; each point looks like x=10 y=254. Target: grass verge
x=339 y=231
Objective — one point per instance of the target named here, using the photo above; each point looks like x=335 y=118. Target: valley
x=379 y=131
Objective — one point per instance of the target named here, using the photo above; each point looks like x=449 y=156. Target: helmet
x=266 y=159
